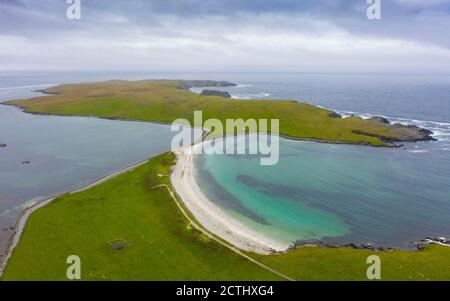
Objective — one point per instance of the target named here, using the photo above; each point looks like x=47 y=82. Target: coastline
x=25 y=214
x=390 y=145
x=221 y=224
x=214 y=219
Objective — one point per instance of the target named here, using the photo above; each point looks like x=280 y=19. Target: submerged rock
x=44 y=91
x=207 y=92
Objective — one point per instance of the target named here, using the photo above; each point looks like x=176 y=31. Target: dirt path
x=211 y=236
x=14 y=240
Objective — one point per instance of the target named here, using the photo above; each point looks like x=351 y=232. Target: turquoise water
x=334 y=193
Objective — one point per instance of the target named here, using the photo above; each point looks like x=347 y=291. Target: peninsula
x=166 y=100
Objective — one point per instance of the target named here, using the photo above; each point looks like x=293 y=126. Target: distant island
x=166 y=100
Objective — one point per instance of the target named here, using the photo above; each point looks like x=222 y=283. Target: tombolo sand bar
x=212 y=217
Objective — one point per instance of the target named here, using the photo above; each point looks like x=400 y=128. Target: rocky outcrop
x=207 y=92
x=322 y=244
x=417 y=245
x=187 y=84
x=378 y=120
x=334 y=115
x=403 y=133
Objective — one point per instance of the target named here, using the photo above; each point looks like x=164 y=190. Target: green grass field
x=162 y=245
x=349 y=264
x=165 y=101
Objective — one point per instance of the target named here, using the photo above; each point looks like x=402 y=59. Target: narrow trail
x=211 y=236
x=20 y=225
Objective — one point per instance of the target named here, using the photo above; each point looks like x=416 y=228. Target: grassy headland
x=162 y=245
x=164 y=101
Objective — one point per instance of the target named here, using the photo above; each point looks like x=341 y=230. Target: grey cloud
x=224 y=34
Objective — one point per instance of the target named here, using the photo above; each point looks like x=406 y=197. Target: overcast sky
x=223 y=35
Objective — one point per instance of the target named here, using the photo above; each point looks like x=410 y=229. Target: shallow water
x=334 y=193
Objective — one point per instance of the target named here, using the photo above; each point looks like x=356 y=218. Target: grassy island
x=162 y=245
x=166 y=100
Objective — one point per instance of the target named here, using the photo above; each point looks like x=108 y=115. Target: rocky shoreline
x=407 y=133
x=416 y=246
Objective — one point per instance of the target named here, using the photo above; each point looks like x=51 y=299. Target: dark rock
x=378 y=119
x=334 y=115
x=2 y=145
x=352 y=245
x=11 y=228
x=207 y=92
x=26 y=162
x=420 y=247
x=404 y=133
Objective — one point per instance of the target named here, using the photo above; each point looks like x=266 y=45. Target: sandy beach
x=213 y=218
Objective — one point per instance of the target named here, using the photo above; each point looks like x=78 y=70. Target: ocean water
x=342 y=193
x=334 y=193
x=317 y=191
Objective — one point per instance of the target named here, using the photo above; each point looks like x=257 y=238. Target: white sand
x=213 y=218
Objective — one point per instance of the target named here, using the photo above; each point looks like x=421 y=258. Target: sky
x=412 y=36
